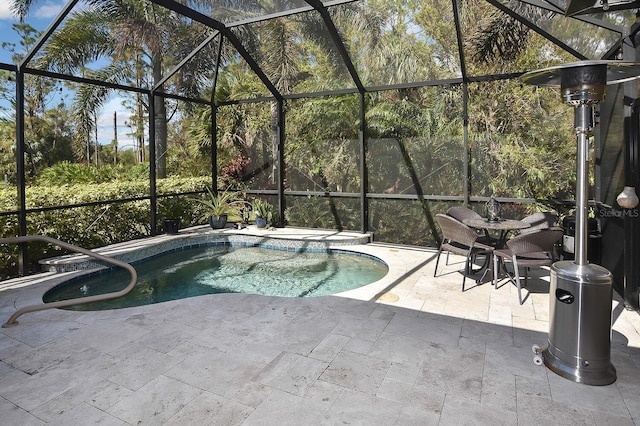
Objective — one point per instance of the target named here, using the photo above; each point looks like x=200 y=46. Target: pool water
x=224 y=269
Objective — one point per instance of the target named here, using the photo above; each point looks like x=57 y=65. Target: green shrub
x=66 y=173
x=89 y=226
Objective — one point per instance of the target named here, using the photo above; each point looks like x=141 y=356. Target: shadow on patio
x=430 y=355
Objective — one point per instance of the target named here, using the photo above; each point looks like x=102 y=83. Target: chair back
x=461 y=213
x=454 y=230
x=540 y=220
x=540 y=241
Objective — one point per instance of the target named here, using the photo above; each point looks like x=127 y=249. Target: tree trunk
x=140 y=129
x=160 y=118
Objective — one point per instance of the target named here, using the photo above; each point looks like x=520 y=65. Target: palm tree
x=133 y=35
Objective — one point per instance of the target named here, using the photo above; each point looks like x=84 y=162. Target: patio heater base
x=579 y=346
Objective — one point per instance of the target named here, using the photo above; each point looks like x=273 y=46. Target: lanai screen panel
x=67 y=129
x=66 y=46
x=323 y=212
x=321 y=145
x=495 y=43
x=580 y=33
x=399 y=42
x=232 y=13
x=8 y=193
x=624 y=18
x=415 y=141
x=491 y=39
x=190 y=71
x=521 y=141
x=236 y=79
x=247 y=146
x=186 y=158
x=296 y=53
x=9 y=200
x=128 y=43
x=406 y=221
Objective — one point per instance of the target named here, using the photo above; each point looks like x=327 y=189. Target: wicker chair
x=525 y=251
x=460 y=239
x=461 y=213
x=541 y=220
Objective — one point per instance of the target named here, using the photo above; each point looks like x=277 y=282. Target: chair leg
x=488 y=268
x=495 y=271
x=502 y=268
x=465 y=271
x=516 y=272
x=438 y=260
x=506 y=271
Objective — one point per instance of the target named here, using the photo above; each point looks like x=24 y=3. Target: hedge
x=92 y=226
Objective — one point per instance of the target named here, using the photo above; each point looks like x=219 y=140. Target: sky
x=40 y=16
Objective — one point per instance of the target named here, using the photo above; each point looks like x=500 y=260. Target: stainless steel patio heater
x=579 y=346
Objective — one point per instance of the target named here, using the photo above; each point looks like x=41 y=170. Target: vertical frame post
x=631 y=218
x=364 y=176
x=631 y=281
x=214 y=147
x=152 y=163
x=20 y=170
x=465 y=143
x=280 y=170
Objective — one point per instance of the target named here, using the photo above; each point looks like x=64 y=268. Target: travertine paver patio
x=409 y=349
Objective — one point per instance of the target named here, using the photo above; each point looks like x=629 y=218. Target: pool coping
x=402 y=261
x=135 y=251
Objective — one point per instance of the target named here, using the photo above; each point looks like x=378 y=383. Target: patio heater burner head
x=584 y=82
x=615 y=72
x=580 y=293
x=583 y=85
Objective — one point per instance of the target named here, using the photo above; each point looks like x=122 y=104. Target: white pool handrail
x=64 y=303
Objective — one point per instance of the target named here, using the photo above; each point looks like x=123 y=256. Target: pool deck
x=408 y=349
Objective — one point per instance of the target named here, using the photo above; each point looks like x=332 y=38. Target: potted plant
x=262 y=211
x=218 y=205
x=172 y=209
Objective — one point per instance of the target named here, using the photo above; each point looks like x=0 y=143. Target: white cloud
x=114 y=104
x=105 y=123
x=5 y=11
x=39 y=10
x=48 y=10
x=125 y=140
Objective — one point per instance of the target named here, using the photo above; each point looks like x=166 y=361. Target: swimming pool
x=226 y=269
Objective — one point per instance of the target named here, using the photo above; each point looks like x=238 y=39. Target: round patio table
x=502 y=225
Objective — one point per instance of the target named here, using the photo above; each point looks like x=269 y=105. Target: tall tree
x=132 y=36
x=48 y=131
